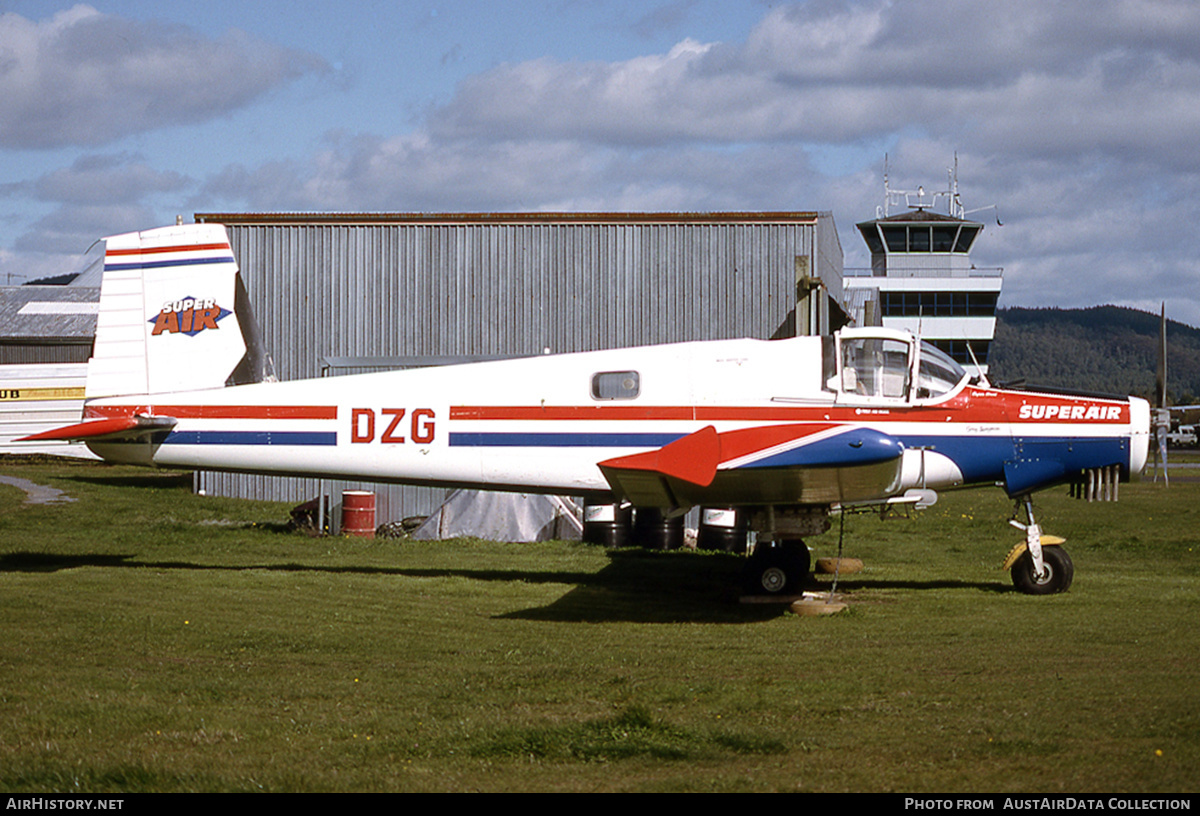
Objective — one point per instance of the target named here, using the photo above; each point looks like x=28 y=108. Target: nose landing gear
x=1039 y=565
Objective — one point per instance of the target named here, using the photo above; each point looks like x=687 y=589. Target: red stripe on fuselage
x=160 y=250
x=972 y=405
x=217 y=411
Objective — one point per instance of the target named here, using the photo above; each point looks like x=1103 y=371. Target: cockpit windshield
x=938 y=373
x=875 y=367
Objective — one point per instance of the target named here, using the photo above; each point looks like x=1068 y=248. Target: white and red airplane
x=785 y=430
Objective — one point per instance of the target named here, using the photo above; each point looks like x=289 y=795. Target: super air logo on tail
x=188 y=316
x=168 y=320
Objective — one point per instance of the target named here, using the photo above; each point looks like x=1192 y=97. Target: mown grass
x=159 y=641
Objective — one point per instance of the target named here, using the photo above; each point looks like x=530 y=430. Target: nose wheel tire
x=1058 y=575
x=773 y=579
x=776 y=569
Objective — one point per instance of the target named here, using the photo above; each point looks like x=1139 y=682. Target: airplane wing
x=105 y=430
x=811 y=462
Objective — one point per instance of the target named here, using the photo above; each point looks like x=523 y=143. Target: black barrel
x=654 y=531
x=721 y=528
x=607 y=524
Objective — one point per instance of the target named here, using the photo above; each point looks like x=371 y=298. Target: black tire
x=1060 y=572
x=776 y=569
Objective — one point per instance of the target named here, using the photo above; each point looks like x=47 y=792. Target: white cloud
x=71 y=230
x=1009 y=77
x=97 y=195
x=86 y=78
x=100 y=179
x=420 y=173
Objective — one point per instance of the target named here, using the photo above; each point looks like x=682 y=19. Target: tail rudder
x=173 y=315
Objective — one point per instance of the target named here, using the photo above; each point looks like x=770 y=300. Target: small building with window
x=922 y=280
x=46 y=335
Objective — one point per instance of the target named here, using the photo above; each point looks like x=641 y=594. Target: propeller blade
x=1161 y=379
x=1162 y=416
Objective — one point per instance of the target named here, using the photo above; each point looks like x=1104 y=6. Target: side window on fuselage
x=616 y=385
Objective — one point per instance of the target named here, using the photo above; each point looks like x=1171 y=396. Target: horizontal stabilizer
x=97 y=430
x=642 y=478
x=694 y=458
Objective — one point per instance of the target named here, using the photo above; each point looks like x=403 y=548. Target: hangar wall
x=375 y=285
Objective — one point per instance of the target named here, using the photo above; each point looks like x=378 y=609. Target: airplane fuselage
x=542 y=424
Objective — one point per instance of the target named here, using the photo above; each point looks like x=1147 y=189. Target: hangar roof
x=804 y=217
x=48 y=313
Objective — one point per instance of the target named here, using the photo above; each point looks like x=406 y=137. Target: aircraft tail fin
x=174 y=316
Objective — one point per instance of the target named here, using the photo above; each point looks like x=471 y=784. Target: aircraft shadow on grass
x=643 y=589
x=158 y=481
x=635 y=586
x=639 y=590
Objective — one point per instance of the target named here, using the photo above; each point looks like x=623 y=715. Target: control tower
x=921 y=277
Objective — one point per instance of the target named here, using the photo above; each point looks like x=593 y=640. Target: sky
x=1076 y=125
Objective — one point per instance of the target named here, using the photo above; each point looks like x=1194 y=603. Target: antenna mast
x=920 y=199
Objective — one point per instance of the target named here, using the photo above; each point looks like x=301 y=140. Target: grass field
x=154 y=640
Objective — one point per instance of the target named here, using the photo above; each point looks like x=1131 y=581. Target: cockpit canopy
x=878 y=365
x=938 y=374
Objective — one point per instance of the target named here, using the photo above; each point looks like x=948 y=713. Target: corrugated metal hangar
x=341 y=293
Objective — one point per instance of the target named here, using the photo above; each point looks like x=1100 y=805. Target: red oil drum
x=358 y=513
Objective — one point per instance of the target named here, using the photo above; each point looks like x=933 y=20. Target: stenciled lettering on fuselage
x=392 y=426
x=188 y=316
x=1071 y=413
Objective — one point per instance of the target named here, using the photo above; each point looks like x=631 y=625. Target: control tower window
x=966 y=237
x=943 y=238
x=938 y=304
x=871 y=235
x=946 y=238
x=896 y=239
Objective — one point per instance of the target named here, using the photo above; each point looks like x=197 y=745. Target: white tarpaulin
x=503 y=517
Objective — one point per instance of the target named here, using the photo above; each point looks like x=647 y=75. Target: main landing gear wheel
x=1059 y=572
x=776 y=569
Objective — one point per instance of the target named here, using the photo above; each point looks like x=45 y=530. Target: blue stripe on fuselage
x=250 y=438
x=165 y=264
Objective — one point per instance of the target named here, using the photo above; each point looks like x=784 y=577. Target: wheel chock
x=816 y=604
x=829 y=566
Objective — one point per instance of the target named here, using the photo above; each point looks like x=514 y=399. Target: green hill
x=1109 y=349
